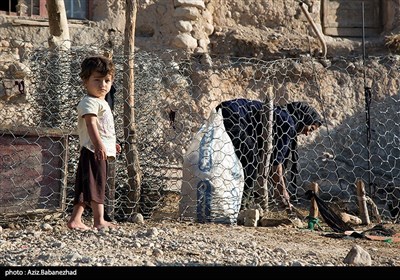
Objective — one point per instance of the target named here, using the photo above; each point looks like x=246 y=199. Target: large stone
x=189 y=13
x=357 y=256
x=194 y=3
x=184 y=41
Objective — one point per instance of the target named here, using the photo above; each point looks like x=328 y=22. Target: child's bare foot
x=105 y=224
x=77 y=226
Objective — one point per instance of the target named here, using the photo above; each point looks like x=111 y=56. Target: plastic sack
x=213 y=180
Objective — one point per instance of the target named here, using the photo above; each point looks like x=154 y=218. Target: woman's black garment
x=242 y=121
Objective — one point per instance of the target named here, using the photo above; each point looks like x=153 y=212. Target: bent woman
x=243 y=123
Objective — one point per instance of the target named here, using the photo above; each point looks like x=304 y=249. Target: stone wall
x=250 y=28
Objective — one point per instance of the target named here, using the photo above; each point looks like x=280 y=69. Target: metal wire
x=174 y=94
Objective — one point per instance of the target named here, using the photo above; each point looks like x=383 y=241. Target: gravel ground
x=176 y=243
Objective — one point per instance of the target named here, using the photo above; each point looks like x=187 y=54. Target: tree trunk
x=55 y=99
x=132 y=156
x=265 y=153
x=59 y=31
x=362 y=202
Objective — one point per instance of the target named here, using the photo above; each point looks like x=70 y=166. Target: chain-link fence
x=174 y=95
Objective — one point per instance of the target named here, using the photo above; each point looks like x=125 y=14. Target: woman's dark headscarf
x=303 y=115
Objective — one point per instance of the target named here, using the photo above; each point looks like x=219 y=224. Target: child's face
x=98 y=85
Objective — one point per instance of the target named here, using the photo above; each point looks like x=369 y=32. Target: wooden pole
x=132 y=156
x=314 y=207
x=266 y=151
x=58 y=24
x=56 y=95
x=109 y=206
x=362 y=202
x=314 y=213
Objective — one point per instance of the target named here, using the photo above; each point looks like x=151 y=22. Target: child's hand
x=100 y=154
x=118 y=146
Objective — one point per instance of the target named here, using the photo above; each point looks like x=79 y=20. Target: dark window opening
x=9 y=6
x=348 y=18
x=75 y=9
x=32 y=8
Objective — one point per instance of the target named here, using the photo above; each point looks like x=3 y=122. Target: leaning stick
x=362 y=202
x=314 y=207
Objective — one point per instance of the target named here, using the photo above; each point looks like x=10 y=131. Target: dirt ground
x=296 y=236
x=166 y=240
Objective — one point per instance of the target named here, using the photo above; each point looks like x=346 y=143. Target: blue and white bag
x=213 y=180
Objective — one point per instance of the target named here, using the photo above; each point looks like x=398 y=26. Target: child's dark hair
x=100 y=64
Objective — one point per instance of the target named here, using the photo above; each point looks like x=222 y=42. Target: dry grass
x=393 y=42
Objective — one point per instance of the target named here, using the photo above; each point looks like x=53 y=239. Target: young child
x=97 y=142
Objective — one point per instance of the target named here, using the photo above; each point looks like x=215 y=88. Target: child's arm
x=99 y=148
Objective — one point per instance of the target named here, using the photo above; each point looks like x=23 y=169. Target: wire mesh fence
x=174 y=95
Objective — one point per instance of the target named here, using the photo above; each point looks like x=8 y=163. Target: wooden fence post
x=362 y=202
x=313 y=215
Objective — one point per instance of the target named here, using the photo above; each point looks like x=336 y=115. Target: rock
x=351 y=219
x=358 y=257
x=136 y=218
